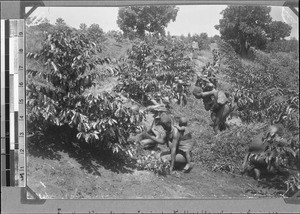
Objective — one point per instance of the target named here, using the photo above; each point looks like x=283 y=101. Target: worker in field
x=263 y=151
x=178 y=148
x=209 y=72
x=184 y=144
x=215 y=101
x=181 y=91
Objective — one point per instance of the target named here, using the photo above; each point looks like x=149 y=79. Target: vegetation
x=56 y=94
x=266 y=92
x=151 y=68
x=67 y=63
x=137 y=20
x=245 y=26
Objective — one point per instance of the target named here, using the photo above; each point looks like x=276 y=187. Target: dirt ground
x=66 y=177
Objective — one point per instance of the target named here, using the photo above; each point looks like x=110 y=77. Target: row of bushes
x=268 y=89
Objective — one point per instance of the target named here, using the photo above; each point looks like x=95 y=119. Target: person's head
x=165 y=121
x=197 y=92
x=209 y=86
x=183 y=121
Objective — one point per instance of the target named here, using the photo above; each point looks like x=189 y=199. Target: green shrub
x=56 y=94
x=151 y=67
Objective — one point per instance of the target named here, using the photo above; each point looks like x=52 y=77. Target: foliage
x=56 y=94
x=34 y=20
x=287 y=46
x=268 y=90
x=153 y=163
x=203 y=41
x=35 y=35
x=95 y=33
x=82 y=27
x=265 y=90
x=293 y=185
x=278 y=30
x=141 y=19
x=61 y=26
x=149 y=71
x=226 y=151
x=243 y=25
x=117 y=35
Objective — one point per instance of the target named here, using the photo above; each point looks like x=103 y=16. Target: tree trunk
x=243 y=50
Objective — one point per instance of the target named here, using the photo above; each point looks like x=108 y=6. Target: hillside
x=65 y=170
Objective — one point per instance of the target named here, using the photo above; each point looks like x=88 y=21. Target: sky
x=190 y=18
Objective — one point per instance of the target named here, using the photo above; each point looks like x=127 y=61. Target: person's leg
x=221 y=115
x=188 y=165
x=257 y=174
x=213 y=117
x=245 y=163
x=215 y=122
x=179 y=158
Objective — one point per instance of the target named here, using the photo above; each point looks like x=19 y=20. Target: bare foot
x=187 y=168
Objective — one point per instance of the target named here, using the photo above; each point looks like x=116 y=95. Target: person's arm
x=180 y=128
x=155 y=132
x=174 y=145
x=208 y=93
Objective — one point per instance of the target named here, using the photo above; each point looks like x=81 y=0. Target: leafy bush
x=226 y=151
x=150 y=70
x=264 y=89
x=56 y=94
x=287 y=46
x=268 y=90
x=153 y=163
x=203 y=41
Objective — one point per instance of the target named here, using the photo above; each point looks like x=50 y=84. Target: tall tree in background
x=278 y=30
x=245 y=26
x=95 y=33
x=60 y=25
x=83 y=27
x=202 y=39
x=139 y=19
x=60 y=22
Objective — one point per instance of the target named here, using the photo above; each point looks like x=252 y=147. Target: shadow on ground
x=57 y=140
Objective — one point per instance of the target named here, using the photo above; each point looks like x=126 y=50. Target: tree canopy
x=245 y=26
x=95 y=33
x=139 y=19
x=279 y=30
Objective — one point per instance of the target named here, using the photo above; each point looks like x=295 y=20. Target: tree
x=83 y=27
x=95 y=33
x=278 y=30
x=60 y=22
x=245 y=26
x=60 y=25
x=202 y=39
x=139 y=19
x=32 y=21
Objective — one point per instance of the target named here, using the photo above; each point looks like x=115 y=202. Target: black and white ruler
x=13 y=118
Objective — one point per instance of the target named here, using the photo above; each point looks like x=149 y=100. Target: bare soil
x=69 y=175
